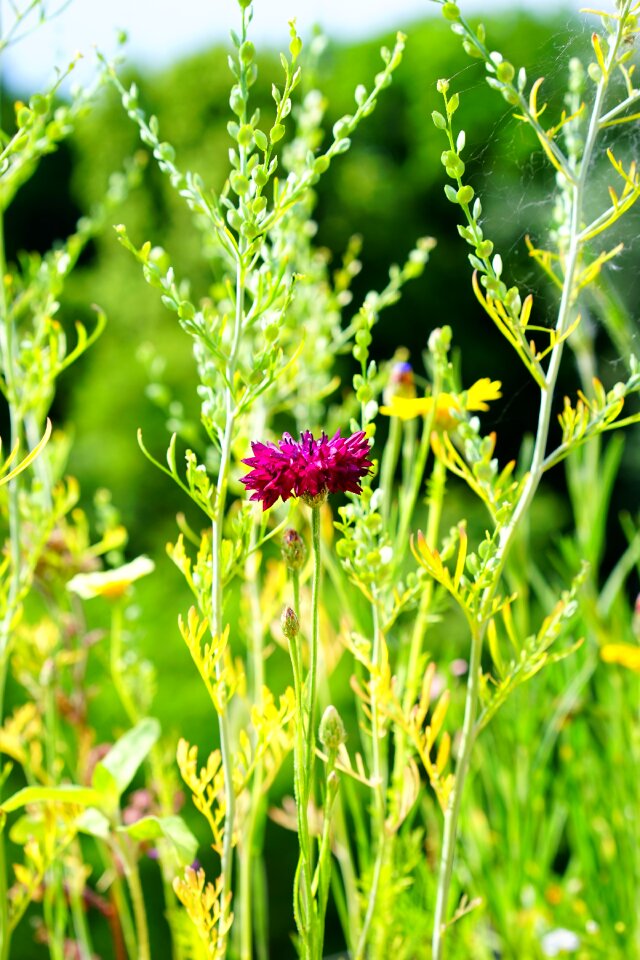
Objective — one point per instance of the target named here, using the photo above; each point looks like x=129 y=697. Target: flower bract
x=308 y=467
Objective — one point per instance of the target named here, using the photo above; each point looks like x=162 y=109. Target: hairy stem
x=302 y=888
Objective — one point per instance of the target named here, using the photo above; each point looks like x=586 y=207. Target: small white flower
x=110 y=583
x=559 y=941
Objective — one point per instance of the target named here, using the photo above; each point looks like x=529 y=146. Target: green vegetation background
x=388 y=189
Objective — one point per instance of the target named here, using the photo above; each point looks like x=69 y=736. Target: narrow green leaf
x=68 y=793
x=120 y=765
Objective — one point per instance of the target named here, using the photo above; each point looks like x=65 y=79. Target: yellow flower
x=475 y=398
x=626 y=654
x=110 y=583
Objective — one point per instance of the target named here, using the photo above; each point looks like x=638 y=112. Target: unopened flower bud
x=294 y=551
x=401 y=382
x=439 y=339
x=332 y=733
x=290 y=623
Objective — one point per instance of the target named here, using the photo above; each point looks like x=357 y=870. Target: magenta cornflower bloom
x=307 y=468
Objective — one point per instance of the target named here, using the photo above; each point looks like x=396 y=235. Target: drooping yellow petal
x=481 y=392
x=626 y=654
x=407 y=409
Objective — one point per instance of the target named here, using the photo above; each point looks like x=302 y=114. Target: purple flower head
x=307 y=468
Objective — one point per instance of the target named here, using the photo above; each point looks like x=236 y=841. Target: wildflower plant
x=251 y=365
x=52 y=777
x=333 y=576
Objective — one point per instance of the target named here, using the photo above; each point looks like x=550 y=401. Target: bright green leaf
x=116 y=771
x=173 y=829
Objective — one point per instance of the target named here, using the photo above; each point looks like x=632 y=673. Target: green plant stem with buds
x=577 y=187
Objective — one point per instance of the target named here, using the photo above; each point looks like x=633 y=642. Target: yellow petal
x=626 y=654
x=481 y=391
x=407 y=409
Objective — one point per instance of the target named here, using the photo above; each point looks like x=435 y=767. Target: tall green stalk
x=577 y=188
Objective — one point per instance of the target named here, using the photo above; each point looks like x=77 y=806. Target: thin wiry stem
x=379 y=776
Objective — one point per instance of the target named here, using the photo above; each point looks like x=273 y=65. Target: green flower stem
x=347 y=900
x=255 y=825
x=295 y=581
x=344 y=885
x=322 y=876
x=303 y=901
x=115 y=663
x=388 y=466
x=409 y=449
x=52 y=915
x=453 y=807
x=578 y=190
x=307 y=779
x=223 y=720
x=80 y=928
x=132 y=875
x=379 y=772
x=78 y=914
x=410 y=494
x=313 y=652
x=122 y=920
x=305 y=905
x=413 y=678
x=419 y=462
